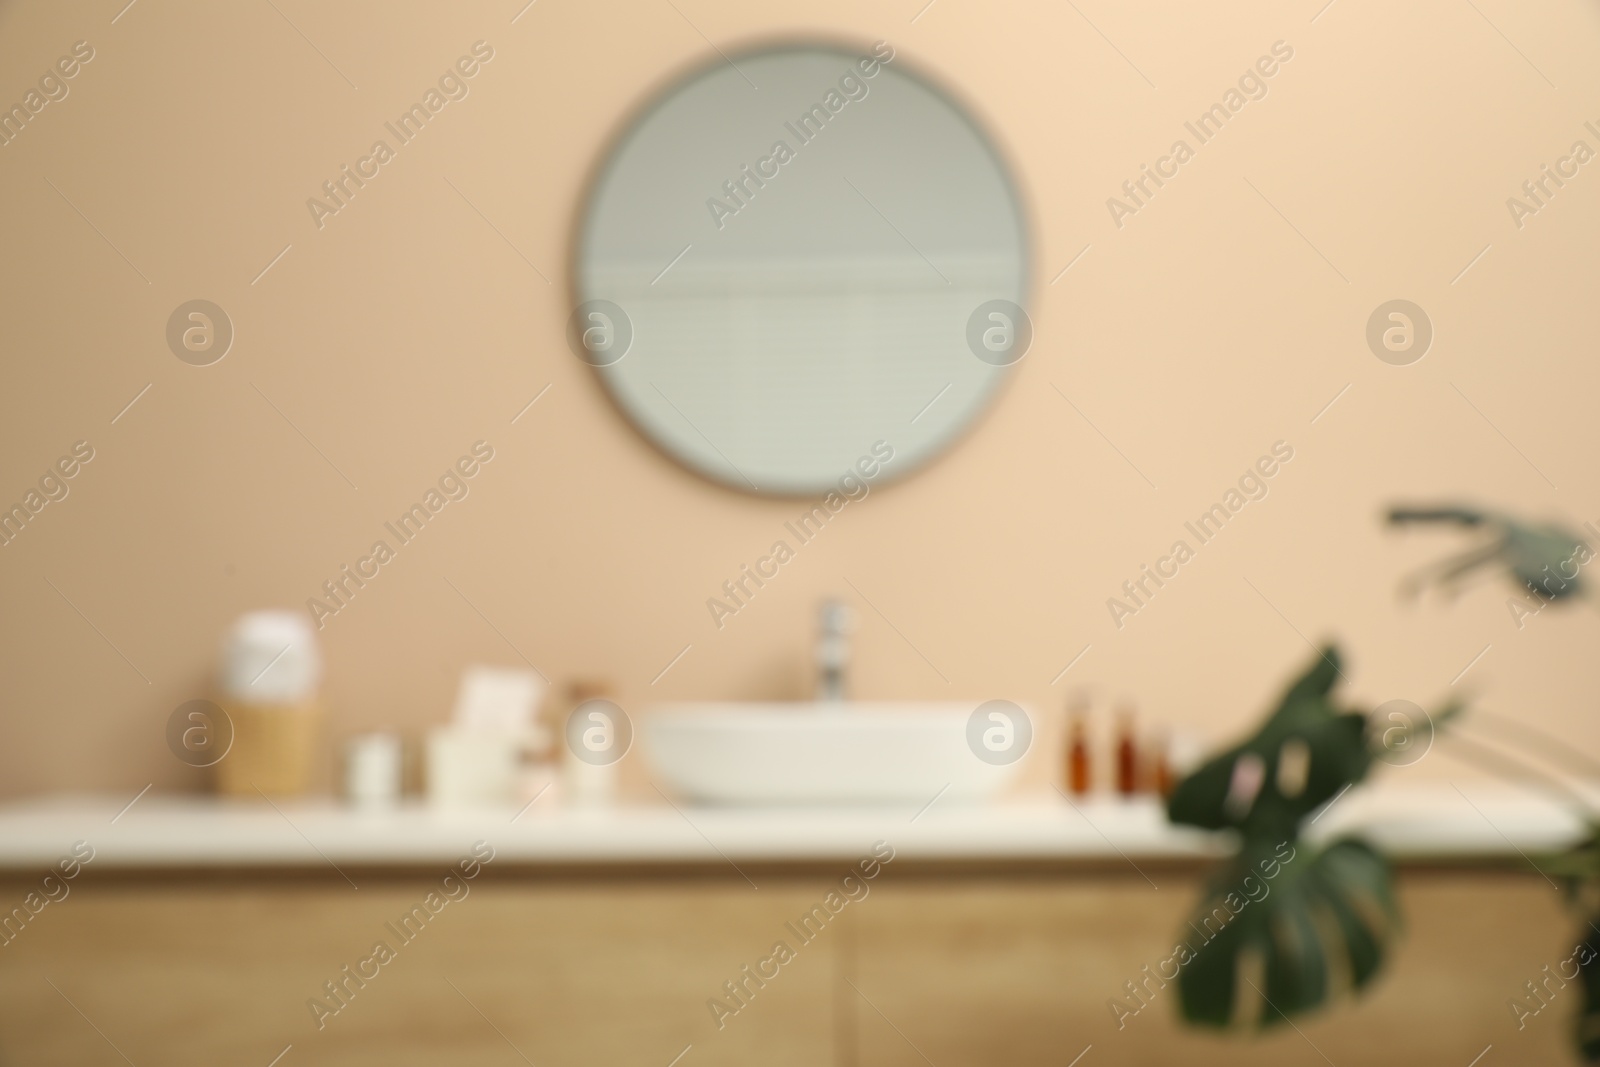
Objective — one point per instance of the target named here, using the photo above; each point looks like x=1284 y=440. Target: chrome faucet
x=835 y=622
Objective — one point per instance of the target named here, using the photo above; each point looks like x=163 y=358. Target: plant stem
x=1545 y=744
x=1486 y=757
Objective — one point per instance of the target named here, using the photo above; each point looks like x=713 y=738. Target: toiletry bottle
x=1127 y=753
x=1077 y=761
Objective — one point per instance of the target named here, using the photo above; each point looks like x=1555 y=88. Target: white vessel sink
x=866 y=753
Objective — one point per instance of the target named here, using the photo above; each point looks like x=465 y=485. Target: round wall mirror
x=802 y=263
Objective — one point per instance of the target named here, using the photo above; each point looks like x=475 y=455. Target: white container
x=373 y=764
x=472 y=768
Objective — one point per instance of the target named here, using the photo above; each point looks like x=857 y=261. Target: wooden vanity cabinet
x=946 y=966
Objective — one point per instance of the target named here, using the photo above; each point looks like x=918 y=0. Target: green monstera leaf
x=1303 y=755
x=1278 y=936
x=1543 y=558
x=1588 y=1023
x=1579 y=870
x=1283 y=925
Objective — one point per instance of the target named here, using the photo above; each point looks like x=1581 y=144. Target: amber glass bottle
x=1127 y=753
x=1078 y=777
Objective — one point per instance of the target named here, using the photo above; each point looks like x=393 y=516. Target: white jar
x=373 y=764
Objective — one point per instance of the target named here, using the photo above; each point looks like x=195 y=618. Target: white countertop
x=1435 y=822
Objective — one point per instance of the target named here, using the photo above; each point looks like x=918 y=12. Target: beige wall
x=1195 y=336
